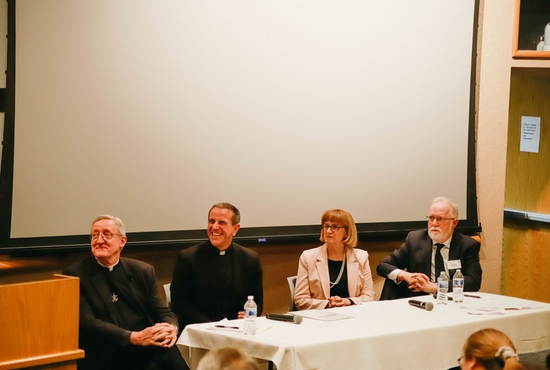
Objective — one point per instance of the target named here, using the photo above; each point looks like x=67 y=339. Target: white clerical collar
x=109 y=267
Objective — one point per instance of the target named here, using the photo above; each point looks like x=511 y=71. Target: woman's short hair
x=343 y=218
x=227 y=358
x=118 y=222
x=492 y=349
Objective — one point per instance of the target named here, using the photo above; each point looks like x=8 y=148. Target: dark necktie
x=439 y=264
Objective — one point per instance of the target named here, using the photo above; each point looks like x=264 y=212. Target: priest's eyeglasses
x=107 y=235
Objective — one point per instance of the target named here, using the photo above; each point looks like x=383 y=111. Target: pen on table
x=227 y=327
x=471 y=296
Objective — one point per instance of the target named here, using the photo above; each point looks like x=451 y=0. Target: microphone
x=296 y=319
x=428 y=306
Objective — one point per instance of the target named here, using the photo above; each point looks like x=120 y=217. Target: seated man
x=426 y=252
x=212 y=280
x=123 y=321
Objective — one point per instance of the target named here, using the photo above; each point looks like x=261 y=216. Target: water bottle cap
x=250 y=297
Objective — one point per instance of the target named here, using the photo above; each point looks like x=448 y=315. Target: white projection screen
x=153 y=110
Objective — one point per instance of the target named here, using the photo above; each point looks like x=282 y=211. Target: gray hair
x=452 y=205
x=118 y=222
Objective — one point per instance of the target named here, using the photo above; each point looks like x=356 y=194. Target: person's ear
x=123 y=241
x=472 y=364
x=236 y=228
x=455 y=222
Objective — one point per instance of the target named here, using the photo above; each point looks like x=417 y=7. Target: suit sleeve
x=161 y=313
x=471 y=269
x=256 y=281
x=100 y=330
x=182 y=294
x=398 y=259
x=367 y=286
x=93 y=328
x=304 y=297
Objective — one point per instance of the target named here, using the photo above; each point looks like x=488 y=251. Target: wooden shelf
x=530 y=19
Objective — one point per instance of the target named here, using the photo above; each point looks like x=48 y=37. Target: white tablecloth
x=380 y=335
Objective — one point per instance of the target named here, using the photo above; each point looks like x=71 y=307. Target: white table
x=380 y=335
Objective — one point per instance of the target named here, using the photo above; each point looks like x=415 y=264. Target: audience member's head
x=227 y=358
x=489 y=349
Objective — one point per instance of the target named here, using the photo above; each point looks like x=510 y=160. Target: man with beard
x=416 y=262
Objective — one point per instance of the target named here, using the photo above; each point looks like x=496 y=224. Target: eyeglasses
x=460 y=360
x=333 y=227
x=439 y=219
x=107 y=235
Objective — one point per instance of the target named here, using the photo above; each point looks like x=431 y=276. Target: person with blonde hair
x=227 y=358
x=335 y=274
x=489 y=349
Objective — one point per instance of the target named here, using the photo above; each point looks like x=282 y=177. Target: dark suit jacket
x=100 y=336
x=193 y=290
x=415 y=256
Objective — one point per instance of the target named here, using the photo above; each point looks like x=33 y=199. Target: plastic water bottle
x=442 y=288
x=458 y=286
x=250 y=313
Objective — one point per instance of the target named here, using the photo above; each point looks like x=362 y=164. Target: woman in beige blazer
x=334 y=274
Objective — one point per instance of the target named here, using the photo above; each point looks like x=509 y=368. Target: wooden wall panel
x=526 y=244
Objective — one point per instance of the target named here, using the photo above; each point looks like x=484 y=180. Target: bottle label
x=443 y=284
x=250 y=312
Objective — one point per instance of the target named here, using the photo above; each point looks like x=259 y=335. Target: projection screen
x=153 y=110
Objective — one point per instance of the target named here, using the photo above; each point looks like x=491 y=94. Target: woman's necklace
x=341 y=271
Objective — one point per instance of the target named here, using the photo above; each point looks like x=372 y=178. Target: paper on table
x=235 y=327
x=324 y=315
x=481 y=309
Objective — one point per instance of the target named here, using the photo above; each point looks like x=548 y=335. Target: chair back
x=291 y=286
x=167 y=292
